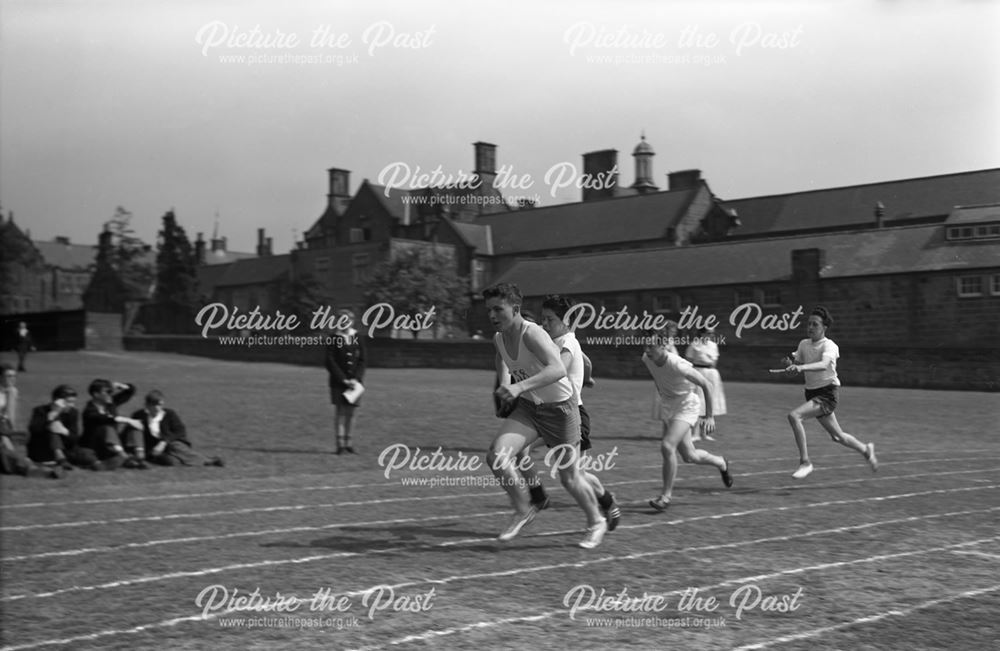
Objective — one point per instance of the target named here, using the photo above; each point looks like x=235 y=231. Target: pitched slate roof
x=590 y=223
x=402 y=209
x=225 y=257
x=67 y=256
x=403 y=204
x=974 y=214
x=857 y=253
x=478 y=236
x=853 y=206
x=255 y=271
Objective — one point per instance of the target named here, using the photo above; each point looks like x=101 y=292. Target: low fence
x=972 y=369
x=57 y=330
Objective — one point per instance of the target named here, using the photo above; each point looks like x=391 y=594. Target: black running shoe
x=613 y=515
x=727 y=477
x=659 y=504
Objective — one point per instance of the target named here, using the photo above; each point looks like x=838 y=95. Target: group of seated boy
x=56 y=442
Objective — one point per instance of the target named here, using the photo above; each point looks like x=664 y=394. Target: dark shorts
x=584 y=429
x=824 y=397
x=556 y=422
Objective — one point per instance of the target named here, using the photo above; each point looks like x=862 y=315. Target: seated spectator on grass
x=54 y=433
x=165 y=436
x=12 y=461
x=103 y=428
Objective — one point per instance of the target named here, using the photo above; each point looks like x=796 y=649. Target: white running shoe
x=804 y=471
x=595 y=535
x=870 y=456
x=517 y=522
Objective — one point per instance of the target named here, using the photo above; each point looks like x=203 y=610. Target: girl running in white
x=675 y=380
x=816 y=357
x=703 y=353
x=545 y=406
x=669 y=339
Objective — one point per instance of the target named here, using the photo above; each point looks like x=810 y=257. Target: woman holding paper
x=345 y=362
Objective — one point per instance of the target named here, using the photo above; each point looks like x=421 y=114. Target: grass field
x=907 y=558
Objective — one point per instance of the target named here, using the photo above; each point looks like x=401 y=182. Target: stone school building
x=910 y=265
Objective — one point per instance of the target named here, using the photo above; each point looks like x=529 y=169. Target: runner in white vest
x=532 y=378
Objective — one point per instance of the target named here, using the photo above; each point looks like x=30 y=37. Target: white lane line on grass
x=241 y=534
x=870 y=619
x=301 y=507
x=741 y=514
x=992 y=557
x=432 y=634
x=320 y=557
x=213 y=514
x=186 y=496
x=540 y=617
x=326 y=487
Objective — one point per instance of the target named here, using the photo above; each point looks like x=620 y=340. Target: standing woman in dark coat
x=345 y=362
x=23 y=344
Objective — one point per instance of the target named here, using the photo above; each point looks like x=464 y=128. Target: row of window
x=19 y=304
x=321 y=264
x=981 y=232
x=973 y=286
x=75 y=284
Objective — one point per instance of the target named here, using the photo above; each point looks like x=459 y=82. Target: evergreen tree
x=123 y=271
x=129 y=255
x=176 y=275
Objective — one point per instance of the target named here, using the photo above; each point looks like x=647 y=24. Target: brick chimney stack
x=600 y=167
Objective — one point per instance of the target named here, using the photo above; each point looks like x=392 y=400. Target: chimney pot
x=199 y=250
x=486 y=158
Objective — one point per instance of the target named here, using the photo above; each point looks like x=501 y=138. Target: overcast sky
x=144 y=104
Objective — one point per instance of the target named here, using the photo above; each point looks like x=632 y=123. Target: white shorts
x=686 y=409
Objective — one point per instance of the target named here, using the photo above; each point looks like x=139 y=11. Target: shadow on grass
x=648 y=438
x=312 y=451
x=362 y=539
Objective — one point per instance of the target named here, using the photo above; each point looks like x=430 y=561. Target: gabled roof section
x=858 y=253
x=590 y=223
x=398 y=203
x=854 y=206
x=478 y=236
x=255 y=271
x=80 y=257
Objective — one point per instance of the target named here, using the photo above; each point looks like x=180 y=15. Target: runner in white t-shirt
x=680 y=409
x=816 y=358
